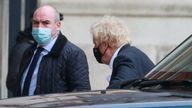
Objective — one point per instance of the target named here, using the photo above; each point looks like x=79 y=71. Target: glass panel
x=175 y=66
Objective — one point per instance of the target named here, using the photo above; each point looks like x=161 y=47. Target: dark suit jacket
x=130 y=64
x=24 y=41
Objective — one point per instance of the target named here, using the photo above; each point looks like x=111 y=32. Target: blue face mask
x=42 y=35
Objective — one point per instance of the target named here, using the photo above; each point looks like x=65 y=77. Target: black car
x=167 y=85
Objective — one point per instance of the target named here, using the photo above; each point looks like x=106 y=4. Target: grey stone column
x=4 y=36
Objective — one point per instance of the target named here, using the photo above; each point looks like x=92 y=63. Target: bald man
x=53 y=64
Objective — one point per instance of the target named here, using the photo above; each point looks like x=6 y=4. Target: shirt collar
x=49 y=46
x=114 y=56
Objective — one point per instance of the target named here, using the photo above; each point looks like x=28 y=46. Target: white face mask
x=42 y=35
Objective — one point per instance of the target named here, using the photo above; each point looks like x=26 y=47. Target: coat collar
x=58 y=46
x=125 y=46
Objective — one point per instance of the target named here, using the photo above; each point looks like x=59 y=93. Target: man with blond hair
x=113 y=48
x=53 y=64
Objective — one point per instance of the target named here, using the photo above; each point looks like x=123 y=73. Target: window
x=177 y=65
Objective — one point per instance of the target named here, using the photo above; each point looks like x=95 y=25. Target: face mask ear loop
x=105 y=50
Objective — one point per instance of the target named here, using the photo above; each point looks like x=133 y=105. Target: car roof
x=99 y=97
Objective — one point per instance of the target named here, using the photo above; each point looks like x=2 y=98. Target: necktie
x=30 y=72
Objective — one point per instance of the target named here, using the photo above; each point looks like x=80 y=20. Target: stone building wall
x=3 y=45
x=156 y=26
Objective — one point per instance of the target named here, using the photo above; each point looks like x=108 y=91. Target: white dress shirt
x=108 y=78
x=47 y=49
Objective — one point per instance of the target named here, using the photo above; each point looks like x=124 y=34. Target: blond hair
x=111 y=30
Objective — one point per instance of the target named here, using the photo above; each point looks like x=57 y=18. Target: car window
x=177 y=65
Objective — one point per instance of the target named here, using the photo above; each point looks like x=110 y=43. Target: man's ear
x=106 y=44
x=58 y=24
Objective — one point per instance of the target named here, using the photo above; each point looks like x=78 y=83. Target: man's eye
x=45 y=22
x=35 y=22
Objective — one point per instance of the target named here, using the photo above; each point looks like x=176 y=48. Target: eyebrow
x=40 y=20
x=33 y=20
